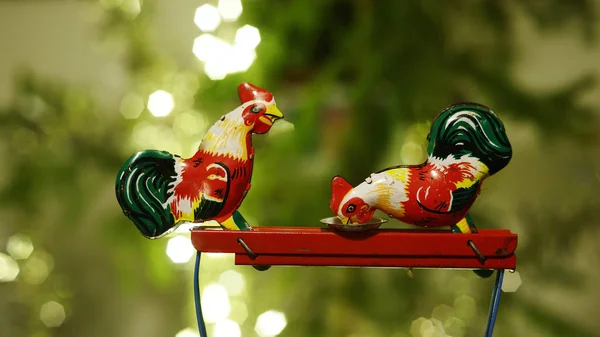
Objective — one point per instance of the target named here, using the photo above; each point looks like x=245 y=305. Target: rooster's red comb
x=339 y=188
x=249 y=92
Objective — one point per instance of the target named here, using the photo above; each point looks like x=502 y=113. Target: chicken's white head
x=347 y=205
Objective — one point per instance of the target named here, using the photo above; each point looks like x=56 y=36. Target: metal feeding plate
x=335 y=223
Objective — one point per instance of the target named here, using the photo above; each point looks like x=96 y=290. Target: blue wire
x=489 y=330
x=201 y=326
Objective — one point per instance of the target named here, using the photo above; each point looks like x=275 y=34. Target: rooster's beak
x=273 y=113
x=353 y=220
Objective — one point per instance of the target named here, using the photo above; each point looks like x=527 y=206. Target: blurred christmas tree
x=358 y=81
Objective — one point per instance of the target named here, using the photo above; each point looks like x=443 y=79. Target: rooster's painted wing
x=464 y=197
x=445 y=200
x=214 y=191
x=202 y=190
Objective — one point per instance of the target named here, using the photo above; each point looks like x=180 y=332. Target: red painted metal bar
x=302 y=246
x=377 y=261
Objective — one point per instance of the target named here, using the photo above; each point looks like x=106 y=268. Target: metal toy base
x=399 y=248
x=395 y=248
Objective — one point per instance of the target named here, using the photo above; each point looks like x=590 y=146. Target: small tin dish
x=335 y=223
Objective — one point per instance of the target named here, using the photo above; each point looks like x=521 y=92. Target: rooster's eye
x=256 y=109
x=350 y=208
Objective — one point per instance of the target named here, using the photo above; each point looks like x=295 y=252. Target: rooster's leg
x=466 y=225
x=236 y=222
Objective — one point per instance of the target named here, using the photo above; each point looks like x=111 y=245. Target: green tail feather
x=142 y=189
x=470 y=129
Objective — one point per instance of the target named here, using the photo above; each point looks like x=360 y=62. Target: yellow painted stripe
x=229 y=224
x=463 y=225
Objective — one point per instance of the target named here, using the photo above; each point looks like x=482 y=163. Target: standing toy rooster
x=467 y=143
x=158 y=190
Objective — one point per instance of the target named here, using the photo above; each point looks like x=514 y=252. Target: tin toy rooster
x=467 y=143
x=158 y=190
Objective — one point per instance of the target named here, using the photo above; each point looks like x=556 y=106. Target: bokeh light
x=180 y=249
x=230 y=10
x=438 y=329
x=207 y=18
x=187 y=332
x=270 y=323
x=144 y=133
x=455 y=327
x=222 y=58
x=207 y=47
x=215 y=303
x=160 y=103
x=232 y=281
x=465 y=307
x=215 y=53
x=52 y=314
x=148 y=135
x=239 y=59
x=247 y=37
x=131 y=106
x=216 y=69
x=424 y=327
x=131 y=7
x=190 y=123
x=216 y=255
x=19 y=246
x=227 y=328
x=415 y=326
x=227 y=59
x=442 y=313
x=9 y=269
x=185 y=82
x=38 y=267
x=511 y=282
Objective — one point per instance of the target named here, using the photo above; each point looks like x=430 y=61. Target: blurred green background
x=83 y=85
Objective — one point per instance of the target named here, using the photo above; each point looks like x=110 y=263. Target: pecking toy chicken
x=467 y=143
x=158 y=190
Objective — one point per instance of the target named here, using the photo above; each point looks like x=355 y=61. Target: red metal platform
x=400 y=248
